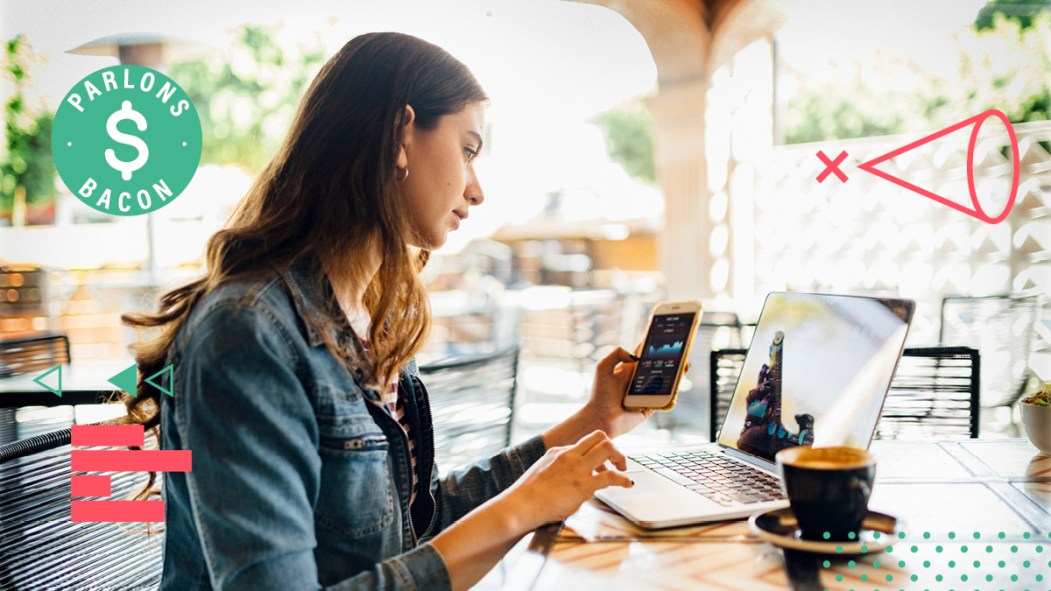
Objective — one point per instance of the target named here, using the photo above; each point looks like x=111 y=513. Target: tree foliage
x=1021 y=11
x=27 y=161
x=247 y=98
x=629 y=139
x=1002 y=65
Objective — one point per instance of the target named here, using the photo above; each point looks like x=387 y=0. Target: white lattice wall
x=868 y=235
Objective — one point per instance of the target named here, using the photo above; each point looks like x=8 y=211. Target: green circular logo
x=126 y=140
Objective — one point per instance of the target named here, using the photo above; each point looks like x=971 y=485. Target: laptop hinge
x=757 y=462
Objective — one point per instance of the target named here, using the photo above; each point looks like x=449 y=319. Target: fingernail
x=634 y=357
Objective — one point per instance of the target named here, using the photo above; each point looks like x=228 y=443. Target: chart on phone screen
x=662 y=354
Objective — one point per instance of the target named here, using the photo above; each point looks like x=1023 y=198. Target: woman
x=294 y=380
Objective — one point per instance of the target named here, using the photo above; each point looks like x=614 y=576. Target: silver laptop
x=817 y=373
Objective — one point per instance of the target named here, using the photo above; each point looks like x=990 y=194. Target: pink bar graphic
x=117 y=511
x=90 y=486
x=108 y=435
x=106 y=460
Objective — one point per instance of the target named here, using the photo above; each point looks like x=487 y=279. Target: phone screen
x=662 y=354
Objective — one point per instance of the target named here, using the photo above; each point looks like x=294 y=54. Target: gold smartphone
x=662 y=361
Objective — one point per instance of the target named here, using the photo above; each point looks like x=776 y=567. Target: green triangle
x=127 y=380
x=40 y=380
x=171 y=380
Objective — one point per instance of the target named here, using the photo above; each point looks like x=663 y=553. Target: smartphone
x=663 y=359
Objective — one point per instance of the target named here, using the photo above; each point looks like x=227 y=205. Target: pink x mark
x=831 y=166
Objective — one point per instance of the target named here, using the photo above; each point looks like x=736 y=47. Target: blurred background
x=636 y=151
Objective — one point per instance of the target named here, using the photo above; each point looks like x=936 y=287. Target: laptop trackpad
x=655 y=498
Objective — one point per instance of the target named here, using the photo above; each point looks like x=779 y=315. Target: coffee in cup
x=828 y=488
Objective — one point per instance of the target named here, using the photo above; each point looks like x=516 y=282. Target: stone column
x=682 y=168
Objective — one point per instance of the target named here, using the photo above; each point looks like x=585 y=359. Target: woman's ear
x=407 y=128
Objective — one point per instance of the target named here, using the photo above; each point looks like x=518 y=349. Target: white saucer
x=780 y=528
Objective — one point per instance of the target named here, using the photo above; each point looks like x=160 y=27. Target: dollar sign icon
x=100 y=140
x=126 y=168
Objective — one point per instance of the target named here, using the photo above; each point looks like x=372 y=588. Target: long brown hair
x=330 y=192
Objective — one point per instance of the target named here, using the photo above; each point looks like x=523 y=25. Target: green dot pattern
x=1019 y=566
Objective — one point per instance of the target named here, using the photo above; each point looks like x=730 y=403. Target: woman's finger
x=611 y=478
x=609 y=362
x=589 y=441
x=606 y=451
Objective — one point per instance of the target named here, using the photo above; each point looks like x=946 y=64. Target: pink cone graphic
x=977 y=211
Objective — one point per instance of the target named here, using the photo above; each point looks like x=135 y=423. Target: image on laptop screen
x=816 y=372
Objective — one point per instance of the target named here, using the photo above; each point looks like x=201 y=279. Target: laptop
x=816 y=373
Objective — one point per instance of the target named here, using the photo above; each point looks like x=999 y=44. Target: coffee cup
x=828 y=489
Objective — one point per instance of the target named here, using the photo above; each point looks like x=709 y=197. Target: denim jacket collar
x=314 y=302
x=311 y=300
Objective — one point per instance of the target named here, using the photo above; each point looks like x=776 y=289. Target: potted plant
x=1036 y=416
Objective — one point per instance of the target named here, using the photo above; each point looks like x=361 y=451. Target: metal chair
x=717 y=330
x=934 y=393
x=472 y=403
x=26 y=355
x=38 y=353
x=1002 y=328
x=724 y=369
x=40 y=548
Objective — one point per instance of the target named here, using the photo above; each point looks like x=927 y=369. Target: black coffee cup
x=828 y=488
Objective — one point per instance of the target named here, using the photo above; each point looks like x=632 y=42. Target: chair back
x=472 y=403
x=1002 y=328
x=38 y=353
x=934 y=393
x=27 y=355
x=717 y=330
x=725 y=367
x=40 y=548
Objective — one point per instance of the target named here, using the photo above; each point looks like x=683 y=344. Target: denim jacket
x=300 y=479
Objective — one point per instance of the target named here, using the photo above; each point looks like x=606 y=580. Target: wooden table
x=975 y=514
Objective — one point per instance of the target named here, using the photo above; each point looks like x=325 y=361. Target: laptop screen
x=816 y=373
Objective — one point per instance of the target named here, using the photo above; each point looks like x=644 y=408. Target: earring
x=401 y=174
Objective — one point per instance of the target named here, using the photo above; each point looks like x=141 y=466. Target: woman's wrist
x=515 y=511
x=472 y=545
x=570 y=431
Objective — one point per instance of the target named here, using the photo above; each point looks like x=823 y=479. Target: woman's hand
x=551 y=490
x=606 y=403
x=604 y=410
x=563 y=478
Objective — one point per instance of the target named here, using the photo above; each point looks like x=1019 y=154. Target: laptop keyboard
x=715 y=476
